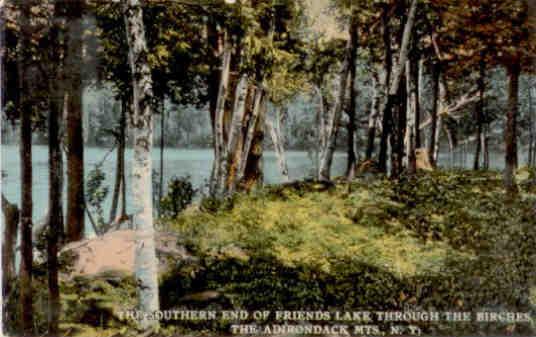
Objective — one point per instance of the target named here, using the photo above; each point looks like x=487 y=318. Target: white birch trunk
x=411 y=120
x=238 y=113
x=142 y=126
x=321 y=119
x=328 y=149
x=220 y=149
x=277 y=139
x=398 y=69
x=258 y=104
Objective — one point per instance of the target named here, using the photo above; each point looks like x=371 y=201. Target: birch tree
x=398 y=71
x=141 y=123
x=332 y=130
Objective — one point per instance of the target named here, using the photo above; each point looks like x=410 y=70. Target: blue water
x=178 y=162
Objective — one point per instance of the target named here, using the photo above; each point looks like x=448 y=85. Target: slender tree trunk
x=235 y=141
x=411 y=131
x=162 y=135
x=26 y=202
x=75 y=130
x=373 y=117
x=121 y=158
x=55 y=219
x=531 y=159
x=277 y=139
x=335 y=117
x=393 y=96
x=398 y=133
x=433 y=136
x=120 y=164
x=418 y=78
x=321 y=123
x=251 y=169
x=387 y=118
x=442 y=103
x=350 y=109
x=218 y=177
x=479 y=115
x=215 y=45
x=510 y=130
x=11 y=222
x=485 y=147
x=142 y=126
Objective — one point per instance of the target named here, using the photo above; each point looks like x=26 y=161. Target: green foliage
x=180 y=194
x=434 y=241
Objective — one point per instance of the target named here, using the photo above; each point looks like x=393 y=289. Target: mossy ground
x=436 y=241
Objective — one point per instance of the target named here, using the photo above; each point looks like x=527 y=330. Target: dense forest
x=427 y=105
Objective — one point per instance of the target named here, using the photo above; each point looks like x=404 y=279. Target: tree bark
x=442 y=103
x=434 y=129
x=235 y=141
x=411 y=130
x=11 y=222
x=142 y=126
x=277 y=139
x=162 y=135
x=419 y=79
x=75 y=130
x=120 y=164
x=55 y=219
x=387 y=119
x=532 y=139
x=479 y=115
x=373 y=117
x=26 y=202
x=350 y=109
x=513 y=71
x=218 y=178
x=250 y=172
x=393 y=99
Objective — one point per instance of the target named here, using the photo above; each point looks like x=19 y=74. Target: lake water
x=196 y=164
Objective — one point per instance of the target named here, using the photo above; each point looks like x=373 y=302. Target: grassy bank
x=440 y=241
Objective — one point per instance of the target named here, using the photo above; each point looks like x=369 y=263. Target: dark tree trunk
x=417 y=69
x=412 y=106
x=479 y=114
x=436 y=73
x=386 y=115
x=398 y=133
x=351 y=127
x=26 y=203
x=510 y=130
x=531 y=159
x=485 y=147
x=120 y=164
x=75 y=140
x=55 y=219
x=11 y=222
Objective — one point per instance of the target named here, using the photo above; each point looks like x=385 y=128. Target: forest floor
x=440 y=241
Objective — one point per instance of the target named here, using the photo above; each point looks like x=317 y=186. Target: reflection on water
x=178 y=162
x=196 y=164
